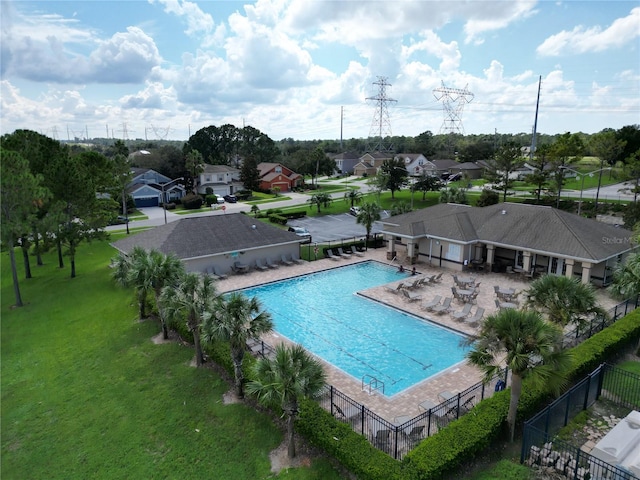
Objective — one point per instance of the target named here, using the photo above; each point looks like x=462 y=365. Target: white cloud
x=487 y=16
x=593 y=39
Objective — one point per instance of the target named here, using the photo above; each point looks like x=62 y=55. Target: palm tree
x=285 y=379
x=564 y=300
x=368 y=215
x=353 y=196
x=163 y=270
x=528 y=345
x=626 y=277
x=193 y=299
x=319 y=199
x=239 y=319
x=128 y=272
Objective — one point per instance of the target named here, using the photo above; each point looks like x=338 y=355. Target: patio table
x=465 y=295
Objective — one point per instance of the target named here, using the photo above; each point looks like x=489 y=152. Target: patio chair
x=285 y=261
x=411 y=296
x=382 y=439
x=356 y=252
x=474 y=320
x=331 y=255
x=417 y=433
x=270 y=264
x=342 y=253
x=443 y=307
x=454 y=291
x=438 y=278
x=349 y=412
x=462 y=314
x=240 y=267
x=412 y=285
x=432 y=303
x=260 y=265
x=467 y=404
x=426 y=281
x=496 y=289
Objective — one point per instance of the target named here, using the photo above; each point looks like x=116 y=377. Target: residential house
x=219 y=241
x=219 y=180
x=473 y=170
x=416 y=164
x=277 y=175
x=345 y=162
x=147 y=188
x=510 y=237
x=444 y=166
x=369 y=163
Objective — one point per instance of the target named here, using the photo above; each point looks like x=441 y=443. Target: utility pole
x=341 y=123
x=381 y=122
x=535 y=123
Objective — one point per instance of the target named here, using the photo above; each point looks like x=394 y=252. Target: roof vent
x=503 y=212
x=253 y=227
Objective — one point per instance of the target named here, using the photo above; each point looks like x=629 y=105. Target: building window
x=278 y=169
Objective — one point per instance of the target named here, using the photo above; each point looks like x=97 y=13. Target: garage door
x=146 y=201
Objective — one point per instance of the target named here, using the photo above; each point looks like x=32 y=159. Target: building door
x=557 y=266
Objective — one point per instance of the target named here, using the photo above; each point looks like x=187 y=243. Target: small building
x=148 y=187
x=345 y=162
x=510 y=237
x=216 y=241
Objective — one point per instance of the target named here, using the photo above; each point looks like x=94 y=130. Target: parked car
x=300 y=231
x=219 y=198
x=454 y=177
x=230 y=198
x=355 y=211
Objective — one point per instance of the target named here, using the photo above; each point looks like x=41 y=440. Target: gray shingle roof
x=205 y=236
x=535 y=228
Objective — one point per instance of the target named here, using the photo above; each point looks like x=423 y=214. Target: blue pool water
x=361 y=337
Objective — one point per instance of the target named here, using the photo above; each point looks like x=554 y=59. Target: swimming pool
x=361 y=337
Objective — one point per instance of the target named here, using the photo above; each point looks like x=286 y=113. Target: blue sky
x=292 y=68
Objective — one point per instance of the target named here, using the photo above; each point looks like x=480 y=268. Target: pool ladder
x=371 y=384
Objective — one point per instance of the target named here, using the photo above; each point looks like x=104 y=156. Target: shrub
x=192 y=202
x=487 y=197
x=279 y=219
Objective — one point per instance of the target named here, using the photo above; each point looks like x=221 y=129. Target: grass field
x=86 y=394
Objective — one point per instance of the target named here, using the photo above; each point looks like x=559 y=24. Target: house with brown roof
x=369 y=163
x=510 y=237
x=277 y=175
x=216 y=241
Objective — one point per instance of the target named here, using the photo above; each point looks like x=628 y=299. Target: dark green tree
x=353 y=196
x=540 y=163
x=249 y=174
x=424 y=144
x=395 y=173
x=607 y=148
x=502 y=169
x=567 y=150
x=427 y=183
x=20 y=193
x=369 y=214
x=320 y=199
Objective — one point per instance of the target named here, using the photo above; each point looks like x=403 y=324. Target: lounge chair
x=443 y=307
x=355 y=252
x=285 y=261
x=462 y=314
x=467 y=404
x=432 y=303
x=270 y=264
x=382 y=440
x=261 y=265
x=426 y=281
x=411 y=296
x=395 y=289
x=342 y=253
x=297 y=260
x=413 y=284
x=438 y=278
x=331 y=255
x=218 y=273
x=474 y=320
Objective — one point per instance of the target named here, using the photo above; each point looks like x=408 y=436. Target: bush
x=192 y=202
x=279 y=219
x=487 y=197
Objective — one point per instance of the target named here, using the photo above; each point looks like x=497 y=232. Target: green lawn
x=86 y=394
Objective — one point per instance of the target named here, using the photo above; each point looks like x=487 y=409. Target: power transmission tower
x=453 y=102
x=161 y=133
x=381 y=124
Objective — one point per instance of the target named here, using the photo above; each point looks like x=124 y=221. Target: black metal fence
x=539 y=447
x=401 y=435
x=599 y=323
x=317 y=251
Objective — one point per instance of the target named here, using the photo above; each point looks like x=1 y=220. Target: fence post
x=525 y=435
x=331 y=398
x=395 y=450
x=575 y=471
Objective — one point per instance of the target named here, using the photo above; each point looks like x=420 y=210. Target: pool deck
x=455 y=379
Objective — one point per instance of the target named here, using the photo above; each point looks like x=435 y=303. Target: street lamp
x=562 y=167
